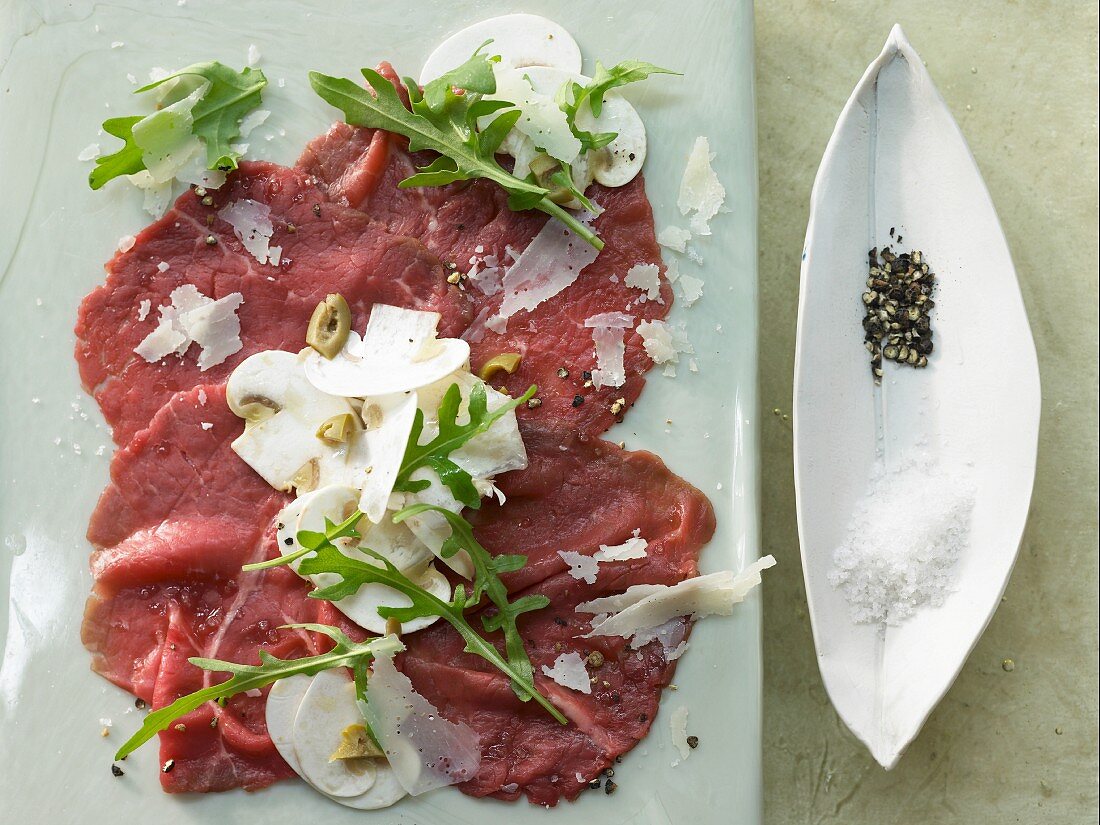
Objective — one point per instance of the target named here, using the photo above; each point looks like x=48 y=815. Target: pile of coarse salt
x=903 y=540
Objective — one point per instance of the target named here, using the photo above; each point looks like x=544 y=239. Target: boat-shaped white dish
x=898 y=164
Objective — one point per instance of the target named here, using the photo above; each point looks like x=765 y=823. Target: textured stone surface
x=1019 y=746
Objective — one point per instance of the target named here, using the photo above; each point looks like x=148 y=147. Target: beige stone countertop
x=1015 y=739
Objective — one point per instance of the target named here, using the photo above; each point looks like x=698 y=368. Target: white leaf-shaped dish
x=898 y=160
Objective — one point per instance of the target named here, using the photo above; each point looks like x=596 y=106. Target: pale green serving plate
x=63 y=69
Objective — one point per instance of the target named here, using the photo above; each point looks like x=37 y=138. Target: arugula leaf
x=452 y=435
x=573 y=95
x=487 y=571
x=345 y=653
x=216 y=118
x=310 y=540
x=354 y=573
x=219 y=112
x=126 y=161
x=447 y=123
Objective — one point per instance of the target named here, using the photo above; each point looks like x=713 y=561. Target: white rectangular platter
x=63 y=68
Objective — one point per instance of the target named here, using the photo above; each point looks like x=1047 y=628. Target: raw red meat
x=589 y=494
x=183 y=513
x=326 y=248
x=173 y=588
x=465 y=222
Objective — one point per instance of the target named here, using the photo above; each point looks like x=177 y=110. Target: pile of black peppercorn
x=898 y=303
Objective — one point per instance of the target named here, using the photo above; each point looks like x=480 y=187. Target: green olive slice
x=338 y=429
x=506 y=361
x=329 y=327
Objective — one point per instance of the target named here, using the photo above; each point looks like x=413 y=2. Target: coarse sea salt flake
x=143 y=309
x=163 y=266
x=206 y=425
x=896 y=558
x=126 y=243
x=89 y=152
x=569 y=671
x=253 y=54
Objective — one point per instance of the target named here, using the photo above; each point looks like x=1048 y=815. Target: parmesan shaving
x=665 y=343
x=251 y=222
x=569 y=671
x=587 y=567
x=607 y=336
x=646 y=277
x=424 y=749
x=541 y=119
x=193 y=317
x=643 y=607
x=674 y=237
x=678 y=722
x=701 y=192
x=691 y=289
x=549 y=264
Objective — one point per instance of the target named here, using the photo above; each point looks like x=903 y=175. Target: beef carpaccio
x=183 y=512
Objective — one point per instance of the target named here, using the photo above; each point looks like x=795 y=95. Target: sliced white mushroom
x=520 y=40
x=327 y=709
x=398 y=352
x=620 y=161
x=283 y=701
x=283 y=413
x=393 y=541
x=388 y=420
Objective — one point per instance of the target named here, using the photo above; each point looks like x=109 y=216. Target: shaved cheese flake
x=424 y=749
x=670 y=635
x=664 y=343
x=581 y=566
x=678 y=722
x=701 y=192
x=646 y=277
x=215 y=327
x=541 y=119
x=691 y=289
x=390 y=420
x=251 y=222
x=569 y=671
x=607 y=336
x=162 y=341
x=674 y=237
x=255 y=118
x=549 y=264
x=643 y=607
x=632 y=548
x=143 y=309
x=193 y=317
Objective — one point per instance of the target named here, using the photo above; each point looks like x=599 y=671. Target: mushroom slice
x=362 y=606
x=395 y=542
x=283 y=413
x=327 y=709
x=283 y=701
x=620 y=161
x=520 y=40
x=398 y=352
